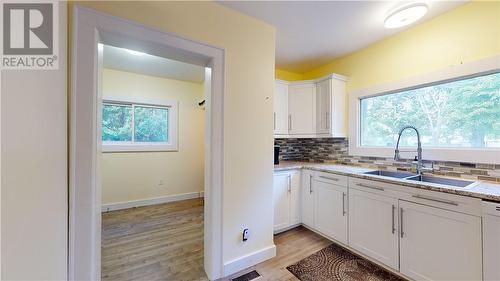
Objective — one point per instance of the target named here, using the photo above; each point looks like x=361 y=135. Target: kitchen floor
x=165 y=242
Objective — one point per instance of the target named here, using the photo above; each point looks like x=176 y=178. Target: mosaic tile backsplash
x=335 y=151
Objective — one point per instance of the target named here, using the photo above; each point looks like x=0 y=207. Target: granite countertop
x=482 y=190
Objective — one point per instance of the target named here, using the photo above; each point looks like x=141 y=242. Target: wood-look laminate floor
x=165 y=242
x=159 y=242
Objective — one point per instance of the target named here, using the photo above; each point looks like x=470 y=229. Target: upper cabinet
x=310 y=109
x=301 y=108
x=280 y=117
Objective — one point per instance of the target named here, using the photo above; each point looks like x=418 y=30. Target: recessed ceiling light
x=406 y=15
x=135 y=53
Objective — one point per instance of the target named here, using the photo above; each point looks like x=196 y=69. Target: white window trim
x=474 y=155
x=173 y=125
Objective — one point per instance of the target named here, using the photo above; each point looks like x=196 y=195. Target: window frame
x=132 y=146
x=453 y=73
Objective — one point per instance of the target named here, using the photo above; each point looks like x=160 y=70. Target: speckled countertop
x=482 y=190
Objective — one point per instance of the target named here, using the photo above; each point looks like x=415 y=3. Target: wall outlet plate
x=246 y=234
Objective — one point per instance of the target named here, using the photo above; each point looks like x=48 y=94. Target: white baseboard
x=249 y=260
x=150 y=201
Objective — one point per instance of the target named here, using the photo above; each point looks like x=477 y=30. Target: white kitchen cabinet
x=280 y=118
x=286 y=198
x=323 y=110
x=301 y=109
x=491 y=241
x=373 y=226
x=330 y=210
x=330 y=107
x=437 y=244
x=307 y=198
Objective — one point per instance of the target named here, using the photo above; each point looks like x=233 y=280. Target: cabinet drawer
x=331 y=178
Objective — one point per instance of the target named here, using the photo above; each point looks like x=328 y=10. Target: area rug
x=336 y=263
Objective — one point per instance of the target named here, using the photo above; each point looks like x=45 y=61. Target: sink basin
x=391 y=174
x=444 y=181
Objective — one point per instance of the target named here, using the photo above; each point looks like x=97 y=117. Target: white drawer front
x=331 y=178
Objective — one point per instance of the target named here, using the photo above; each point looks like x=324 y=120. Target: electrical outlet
x=246 y=234
x=161 y=182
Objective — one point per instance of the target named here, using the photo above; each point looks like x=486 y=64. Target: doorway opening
x=152 y=166
x=92 y=32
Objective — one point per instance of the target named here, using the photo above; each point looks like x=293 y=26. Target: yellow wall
x=249 y=84
x=136 y=176
x=287 y=75
x=467 y=33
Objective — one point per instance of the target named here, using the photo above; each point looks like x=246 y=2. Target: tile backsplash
x=335 y=150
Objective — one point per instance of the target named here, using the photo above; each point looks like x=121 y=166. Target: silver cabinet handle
x=310 y=184
x=435 y=200
x=393 y=224
x=289 y=122
x=289 y=184
x=343 y=203
x=498 y=209
x=327 y=125
x=401 y=222
x=370 y=186
x=328 y=178
x=274 y=120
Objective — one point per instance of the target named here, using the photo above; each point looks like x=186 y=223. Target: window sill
x=139 y=148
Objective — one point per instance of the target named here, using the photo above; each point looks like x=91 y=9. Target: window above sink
x=456 y=110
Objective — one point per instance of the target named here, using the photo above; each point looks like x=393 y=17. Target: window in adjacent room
x=139 y=126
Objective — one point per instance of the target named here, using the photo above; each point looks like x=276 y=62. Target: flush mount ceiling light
x=405 y=15
x=135 y=53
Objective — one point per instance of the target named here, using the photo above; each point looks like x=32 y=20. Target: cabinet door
x=373 y=226
x=301 y=109
x=295 y=204
x=338 y=108
x=281 y=187
x=307 y=198
x=280 y=118
x=323 y=113
x=330 y=216
x=491 y=246
x=437 y=244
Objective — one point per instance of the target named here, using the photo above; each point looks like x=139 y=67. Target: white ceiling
x=120 y=59
x=312 y=33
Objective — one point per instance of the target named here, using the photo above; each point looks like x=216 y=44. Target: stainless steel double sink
x=421 y=178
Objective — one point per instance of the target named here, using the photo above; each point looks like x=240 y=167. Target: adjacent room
x=152 y=167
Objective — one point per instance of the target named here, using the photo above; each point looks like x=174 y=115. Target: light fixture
x=405 y=15
x=135 y=53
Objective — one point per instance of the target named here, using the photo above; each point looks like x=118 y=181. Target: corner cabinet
x=307 y=198
x=286 y=198
x=309 y=109
x=301 y=108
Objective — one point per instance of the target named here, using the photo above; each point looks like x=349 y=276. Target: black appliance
x=276 y=154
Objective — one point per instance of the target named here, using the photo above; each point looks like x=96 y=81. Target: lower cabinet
x=424 y=236
x=491 y=241
x=330 y=210
x=437 y=244
x=286 y=198
x=307 y=198
x=373 y=226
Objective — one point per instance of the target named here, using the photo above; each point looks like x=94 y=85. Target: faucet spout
x=419 y=147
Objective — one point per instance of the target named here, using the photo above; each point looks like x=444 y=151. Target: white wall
x=34 y=170
x=136 y=175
